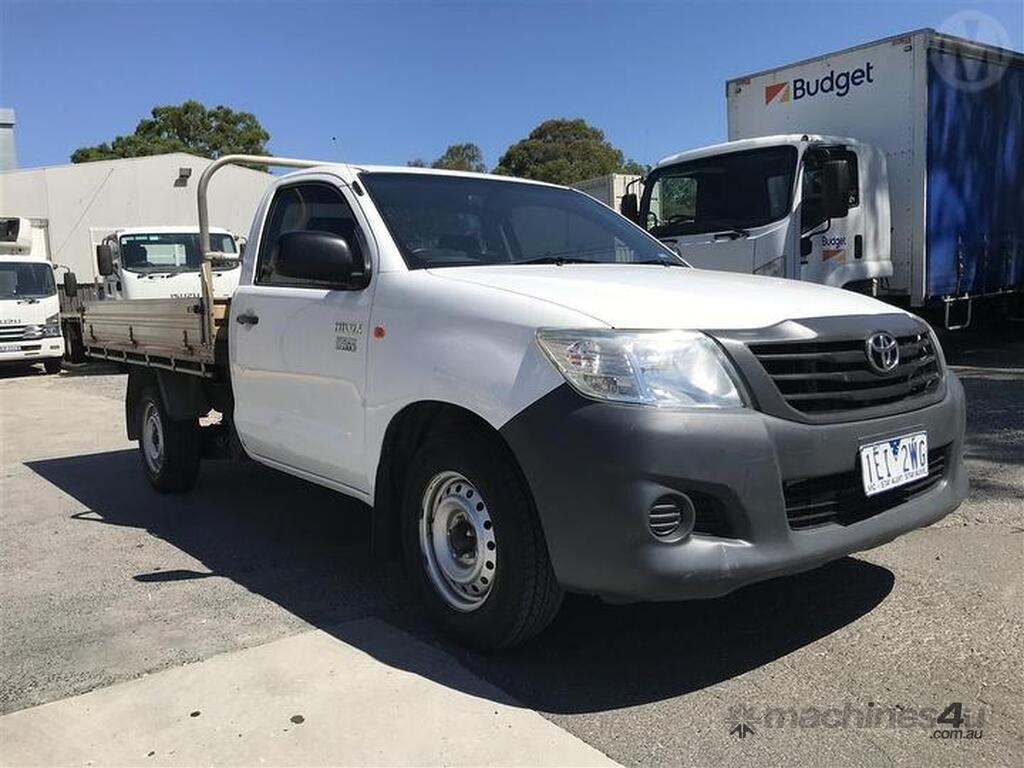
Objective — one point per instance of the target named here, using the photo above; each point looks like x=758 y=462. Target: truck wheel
x=52 y=365
x=473 y=544
x=170 y=450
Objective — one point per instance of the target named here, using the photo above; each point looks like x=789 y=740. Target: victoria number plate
x=892 y=463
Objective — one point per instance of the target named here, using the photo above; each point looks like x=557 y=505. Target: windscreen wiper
x=558 y=260
x=663 y=262
x=732 y=234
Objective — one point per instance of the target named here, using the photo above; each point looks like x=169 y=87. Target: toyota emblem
x=883 y=352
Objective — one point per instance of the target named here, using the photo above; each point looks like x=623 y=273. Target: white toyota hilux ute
x=536 y=396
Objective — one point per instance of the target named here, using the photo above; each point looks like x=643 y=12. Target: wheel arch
x=406 y=432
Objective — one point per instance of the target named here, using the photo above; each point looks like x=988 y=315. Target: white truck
x=894 y=168
x=535 y=395
x=30 y=330
x=163 y=262
x=152 y=262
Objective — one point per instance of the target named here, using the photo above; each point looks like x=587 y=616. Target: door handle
x=247 y=319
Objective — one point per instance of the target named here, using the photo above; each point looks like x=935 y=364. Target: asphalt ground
x=103 y=581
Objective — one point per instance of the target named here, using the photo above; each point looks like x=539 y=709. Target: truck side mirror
x=105 y=259
x=321 y=257
x=835 y=189
x=70 y=284
x=629 y=207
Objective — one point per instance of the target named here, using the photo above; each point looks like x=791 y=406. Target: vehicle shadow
x=307 y=549
x=21 y=370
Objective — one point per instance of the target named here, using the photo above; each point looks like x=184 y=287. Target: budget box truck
x=895 y=168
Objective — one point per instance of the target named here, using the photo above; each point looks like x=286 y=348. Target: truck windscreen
x=731 y=191
x=452 y=221
x=168 y=252
x=21 y=280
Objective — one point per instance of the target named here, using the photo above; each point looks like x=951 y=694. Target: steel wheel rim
x=457 y=541
x=152 y=438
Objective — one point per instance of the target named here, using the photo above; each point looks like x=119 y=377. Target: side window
x=310 y=207
x=812 y=182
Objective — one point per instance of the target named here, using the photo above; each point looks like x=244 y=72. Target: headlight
x=771 y=269
x=664 y=369
x=52 y=327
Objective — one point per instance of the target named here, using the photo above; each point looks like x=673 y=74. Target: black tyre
x=169 y=449
x=53 y=365
x=74 y=349
x=473 y=544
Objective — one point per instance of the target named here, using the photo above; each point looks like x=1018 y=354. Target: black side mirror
x=629 y=207
x=105 y=259
x=70 y=284
x=316 y=256
x=835 y=189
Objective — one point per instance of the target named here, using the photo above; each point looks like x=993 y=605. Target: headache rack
x=185 y=335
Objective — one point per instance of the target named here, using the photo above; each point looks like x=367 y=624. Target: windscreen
x=169 y=252
x=452 y=221
x=20 y=280
x=722 y=192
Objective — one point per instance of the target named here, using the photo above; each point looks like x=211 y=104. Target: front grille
x=840 y=498
x=821 y=377
x=12 y=332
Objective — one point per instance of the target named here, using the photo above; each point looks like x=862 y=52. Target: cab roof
x=740 y=145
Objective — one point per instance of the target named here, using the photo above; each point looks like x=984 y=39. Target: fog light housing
x=671 y=517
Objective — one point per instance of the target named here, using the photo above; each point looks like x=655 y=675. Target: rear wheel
x=52 y=365
x=170 y=449
x=473 y=544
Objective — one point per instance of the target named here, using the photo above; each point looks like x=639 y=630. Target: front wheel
x=473 y=543
x=52 y=365
x=170 y=449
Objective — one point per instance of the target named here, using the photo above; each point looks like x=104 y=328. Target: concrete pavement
x=310 y=699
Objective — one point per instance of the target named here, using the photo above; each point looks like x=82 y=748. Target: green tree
x=563 y=151
x=461 y=157
x=187 y=127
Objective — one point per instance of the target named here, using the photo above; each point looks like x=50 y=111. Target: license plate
x=10 y=347
x=892 y=463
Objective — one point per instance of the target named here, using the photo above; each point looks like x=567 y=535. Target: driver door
x=298 y=348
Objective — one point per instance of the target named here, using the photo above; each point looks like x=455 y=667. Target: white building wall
x=145 y=191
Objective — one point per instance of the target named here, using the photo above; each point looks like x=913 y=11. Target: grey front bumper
x=595 y=469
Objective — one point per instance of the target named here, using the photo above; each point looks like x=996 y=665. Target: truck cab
x=163 y=262
x=30 y=329
x=812 y=208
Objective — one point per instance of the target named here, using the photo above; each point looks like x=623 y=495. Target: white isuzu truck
x=163 y=262
x=30 y=330
x=894 y=168
x=536 y=396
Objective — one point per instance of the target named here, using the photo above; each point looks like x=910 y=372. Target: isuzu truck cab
x=30 y=330
x=537 y=396
x=163 y=262
x=812 y=208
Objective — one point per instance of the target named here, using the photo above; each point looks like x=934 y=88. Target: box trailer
x=948 y=114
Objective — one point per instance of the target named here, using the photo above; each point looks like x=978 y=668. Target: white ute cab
x=536 y=396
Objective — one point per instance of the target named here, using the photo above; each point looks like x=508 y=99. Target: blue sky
x=387 y=82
